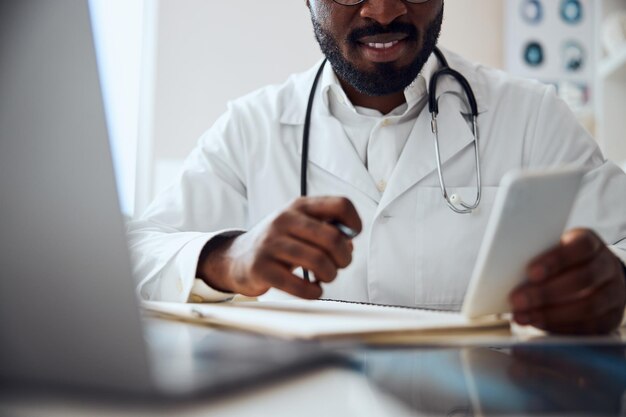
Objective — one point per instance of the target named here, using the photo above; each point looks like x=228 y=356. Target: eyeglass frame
x=362 y=1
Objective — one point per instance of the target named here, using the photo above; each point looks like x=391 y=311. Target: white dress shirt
x=378 y=139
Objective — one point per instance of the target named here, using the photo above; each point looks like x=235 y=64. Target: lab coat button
x=384 y=218
x=386 y=122
x=381 y=185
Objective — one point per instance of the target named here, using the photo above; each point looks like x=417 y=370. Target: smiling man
x=234 y=224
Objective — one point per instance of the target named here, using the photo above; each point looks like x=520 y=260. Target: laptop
x=68 y=311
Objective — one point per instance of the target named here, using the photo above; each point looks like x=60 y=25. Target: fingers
x=330 y=208
x=295 y=253
x=280 y=277
x=576 y=288
x=320 y=234
x=308 y=220
x=586 y=309
x=299 y=236
x=264 y=271
x=596 y=309
x=603 y=324
x=569 y=286
x=577 y=247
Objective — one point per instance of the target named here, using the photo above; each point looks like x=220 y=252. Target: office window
x=118 y=28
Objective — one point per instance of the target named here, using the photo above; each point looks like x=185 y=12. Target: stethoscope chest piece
x=454 y=201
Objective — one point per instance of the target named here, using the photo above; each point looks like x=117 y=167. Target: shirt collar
x=294 y=103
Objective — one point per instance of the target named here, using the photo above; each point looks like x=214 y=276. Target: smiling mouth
x=385 y=47
x=383 y=42
x=382 y=45
x=383 y=39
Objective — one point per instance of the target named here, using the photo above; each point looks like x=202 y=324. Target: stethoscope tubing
x=307 y=131
x=454 y=201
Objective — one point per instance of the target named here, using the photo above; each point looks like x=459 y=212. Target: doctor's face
x=377 y=46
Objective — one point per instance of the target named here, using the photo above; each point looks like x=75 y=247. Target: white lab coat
x=413 y=249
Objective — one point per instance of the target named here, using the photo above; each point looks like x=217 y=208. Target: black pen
x=345 y=230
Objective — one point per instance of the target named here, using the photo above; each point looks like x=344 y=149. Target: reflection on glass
x=429 y=381
x=521 y=380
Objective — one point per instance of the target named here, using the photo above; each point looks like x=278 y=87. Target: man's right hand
x=266 y=256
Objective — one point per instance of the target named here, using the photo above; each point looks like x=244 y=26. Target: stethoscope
x=453 y=201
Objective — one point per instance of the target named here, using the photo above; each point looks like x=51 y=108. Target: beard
x=386 y=78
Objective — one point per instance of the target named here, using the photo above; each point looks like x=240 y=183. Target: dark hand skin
x=299 y=236
x=576 y=288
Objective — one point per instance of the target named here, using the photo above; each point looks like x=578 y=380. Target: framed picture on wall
x=553 y=41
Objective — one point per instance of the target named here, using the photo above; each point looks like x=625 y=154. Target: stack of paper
x=319 y=319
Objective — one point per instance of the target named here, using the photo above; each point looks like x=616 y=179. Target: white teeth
x=382 y=45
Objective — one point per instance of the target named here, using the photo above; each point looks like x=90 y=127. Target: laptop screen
x=66 y=277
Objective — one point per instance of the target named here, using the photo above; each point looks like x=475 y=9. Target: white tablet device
x=528 y=218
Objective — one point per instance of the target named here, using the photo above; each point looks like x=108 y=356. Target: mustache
x=378 y=29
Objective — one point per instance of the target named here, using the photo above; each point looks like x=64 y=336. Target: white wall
x=475 y=30
x=208 y=52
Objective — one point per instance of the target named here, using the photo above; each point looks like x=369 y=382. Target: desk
x=510 y=379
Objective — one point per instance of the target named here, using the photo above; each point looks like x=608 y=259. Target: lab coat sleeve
x=560 y=139
x=208 y=199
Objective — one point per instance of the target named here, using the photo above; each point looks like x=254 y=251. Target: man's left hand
x=576 y=288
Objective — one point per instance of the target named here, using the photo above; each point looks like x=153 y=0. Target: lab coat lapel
x=418 y=158
x=329 y=147
x=331 y=150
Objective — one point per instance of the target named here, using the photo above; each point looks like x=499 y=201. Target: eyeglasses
x=355 y=2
